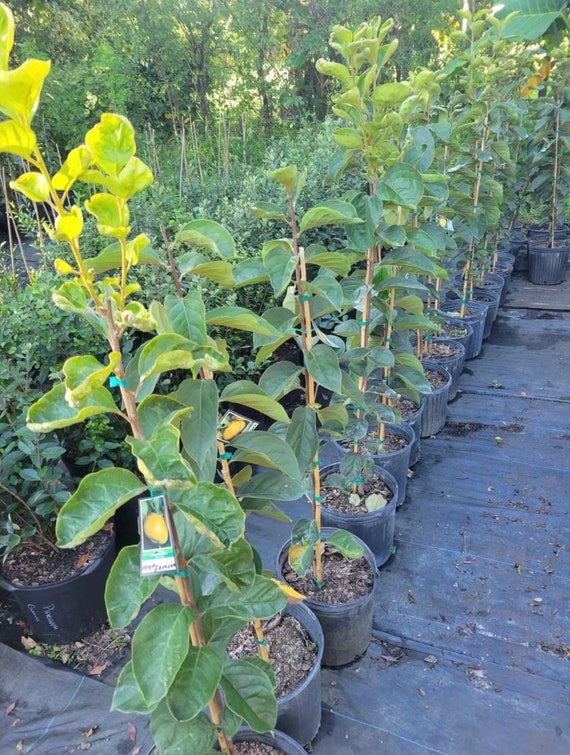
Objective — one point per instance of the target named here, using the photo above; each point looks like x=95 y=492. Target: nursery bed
x=471 y=649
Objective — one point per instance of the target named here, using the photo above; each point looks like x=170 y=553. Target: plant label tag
x=233 y=424
x=444 y=222
x=157 y=549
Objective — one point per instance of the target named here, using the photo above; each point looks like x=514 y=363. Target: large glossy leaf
x=127 y=696
x=323 y=365
x=272 y=485
x=173 y=737
x=83 y=374
x=187 y=316
x=249 y=693
x=279 y=262
x=401 y=185
x=195 y=684
x=126 y=590
x=33 y=185
x=110 y=257
x=535 y=17
x=249 y=394
x=218 y=271
x=269 y=211
x=96 y=499
x=198 y=431
x=328 y=288
x=20 y=89
x=336 y=262
x=17 y=139
x=6 y=36
x=212 y=509
x=170 y=351
x=157 y=410
x=240 y=318
x=333 y=212
x=410 y=260
x=280 y=378
x=303 y=437
x=235 y=566
x=345 y=543
x=250 y=271
x=160 y=459
x=209 y=235
x=156 y=663
x=52 y=412
x=392 y=93
x=369 y=209
x=261 y=600
x=267 y=449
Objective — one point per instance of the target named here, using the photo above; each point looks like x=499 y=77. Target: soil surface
x=450 y=330
x=34 y=563
x=369 y=445
x=255 y=748
x=406 y=406
x=435 y=379
x=292 y=653
x=344 y=580
x=439 y=350
x=339 y=500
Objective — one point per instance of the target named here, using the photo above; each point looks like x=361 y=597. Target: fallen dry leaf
x=132 y=731
x=83 y=560
x=19 y=747
x=136 y=750
x=28 y=643
x=89 y=732
x=85 y=745
x=10 y=708
x=96 y=670
x=422 y=691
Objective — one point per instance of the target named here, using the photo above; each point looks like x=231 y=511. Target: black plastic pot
x=277 y=739
x=476 y=314
x=453 y=364
x=375 y=528
x=414 y=420
x=68 y=610
x=347 y=627
x=299 y=711
x=547 y=265
x=435 y=403
x=395 y=462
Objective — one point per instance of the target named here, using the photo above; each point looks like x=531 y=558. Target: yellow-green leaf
x=17 y=139
x=6 y=35
x=20 y=89
x=69 y=225
x=112 y=143
x=77 y=161
x=33 y=185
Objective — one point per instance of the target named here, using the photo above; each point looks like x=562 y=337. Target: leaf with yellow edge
x=20 y=89
x=108 y=210
x=17 y=139
x=33 y=185
x=134 y=177
x=69 y=226
x=292 y=595
x=6 y=35
x=287 y=177
x=84 y=373
x=52 y=412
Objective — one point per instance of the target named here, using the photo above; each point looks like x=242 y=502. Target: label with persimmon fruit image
x=233 y=424
x=157 y=550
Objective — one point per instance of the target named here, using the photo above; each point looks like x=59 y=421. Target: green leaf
x=160 y=457
x=187 y=316
x=84 y=374
x=195 y=684
x=235 y=565
x=349 y=138
x=6 y=35
x=401 y=185
x=52 y=412
x=110 y=257
x=269 y=210
x=534 y=19
x=410 y=261
x=280 y=378
x=170 y=351
x=392 y=93
x=323 y=365
x=96 y=499
x=261 y=600
x=345 y=543
x=362 y=237
x=286 y=176
x=249 y=394
x=127 y=696
x=156 y=664
x=249 y=693
x=174 y=737
x=267 y=449
x=337 y=70
x=333 y=212
x=20 y=89
x=248 y=272
x=126 y=590
x=327 y=287
x=336 y=262
x=218 y=271
x=272 y=485
x=279 y=261
x=198 y=431
x=240 y=318
x=212 y=510
x=156 y=410
x=209 y=235
x=303 y=437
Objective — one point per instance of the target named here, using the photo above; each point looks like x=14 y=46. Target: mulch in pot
x=435 y=379
x=339 y=500
x=438 y=350
x=292 y=653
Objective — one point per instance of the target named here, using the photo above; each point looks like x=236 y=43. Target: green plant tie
x=261 y=642
x=304 y=297
x=116 y=382
x=318 y=498
x=359 y=481
x=317 y=463
x=299 y=330
x=219 y=727
x=465 y=301
x=154 y=492
x=319 y=585
x=389 y=339
x=226 y=456
x=179 y=573
x=364 y=323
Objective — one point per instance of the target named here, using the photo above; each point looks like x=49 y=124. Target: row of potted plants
x=199 y=470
